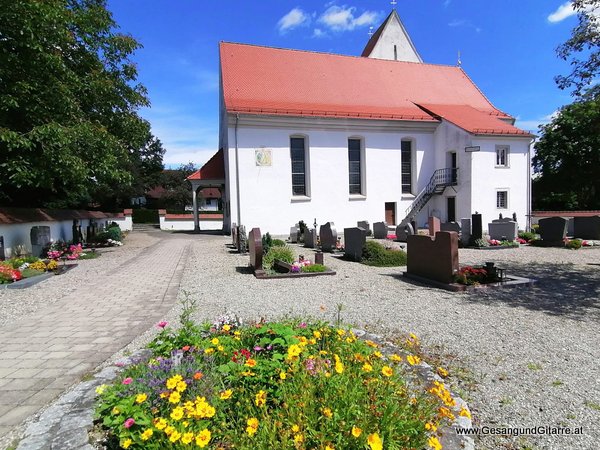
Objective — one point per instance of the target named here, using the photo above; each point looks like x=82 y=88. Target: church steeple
x=391 y=41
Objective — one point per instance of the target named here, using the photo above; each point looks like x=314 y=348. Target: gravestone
x=450 y=226
x=294 y=234
x=92 y=229
x=40 y=238
x=380 y=230
x=503 y=230
x=505 y=220
x=587 y=227
x=328 y=237
x=553 y=229
x=434 y=225
x=364 y=224
x=234 y=234
x=2 y=252
x=476 y=227
x=433 y=258
x=354 y=241
x=319 y=258
x=310 y=238
x=403 y=231
x=465 y=231
x=242 y=239
x=76 y=231
x=255 y=248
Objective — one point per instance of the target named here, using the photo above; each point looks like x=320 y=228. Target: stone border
x=495 y=247
x=262 y=275
x=32 y=281
x=68 y=422
x=512 y=281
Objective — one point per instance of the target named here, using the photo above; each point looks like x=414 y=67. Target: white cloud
x=342 y=18
x=295 y=18
x=318 y=33
x=533 y=124
x=565 y=10
x=464 y=23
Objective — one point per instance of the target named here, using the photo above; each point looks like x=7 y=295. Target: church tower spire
x=391 y=41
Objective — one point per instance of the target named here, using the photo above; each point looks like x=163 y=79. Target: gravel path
x=525 y=357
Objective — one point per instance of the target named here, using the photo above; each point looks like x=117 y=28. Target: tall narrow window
x=298 y=156
x=502 y=199
x=502 y=152
x=354 y=163
x=406 y=170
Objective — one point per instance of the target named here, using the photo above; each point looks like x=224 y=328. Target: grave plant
x=375 y=254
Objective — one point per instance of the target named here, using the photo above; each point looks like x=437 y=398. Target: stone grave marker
x=319 y=258
x=310 y=238
x=434 y=258
x=40 y=238
x=76 y=231
x=465 y=231
x=587 y=227
x=553 y=229
x=450 y=226
x=234 y=234
x=380 y=230
x=242 y=239
x=504 y=220
x=402 y=232
x=328 y=237
x=364 y=224
x=434 y=225
x=503 y=229
x=294 y=234
x=2 y=252
x=354 y=241
x=476 y=227
x=255 y=248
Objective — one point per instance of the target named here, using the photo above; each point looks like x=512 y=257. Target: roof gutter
x=237 y=172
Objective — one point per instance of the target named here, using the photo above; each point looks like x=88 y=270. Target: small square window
x=502 y=152
x=502 y=199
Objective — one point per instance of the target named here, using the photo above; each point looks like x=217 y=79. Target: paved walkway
x=44 y=353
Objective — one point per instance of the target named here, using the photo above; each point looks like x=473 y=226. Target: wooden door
x=390 y=213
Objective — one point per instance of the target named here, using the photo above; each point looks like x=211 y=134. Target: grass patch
x=534 y=366
x=592 y=405
x=30 y=273
x=375 y=254
x=90 y=255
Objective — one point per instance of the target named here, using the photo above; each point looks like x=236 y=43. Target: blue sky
x=507 y=47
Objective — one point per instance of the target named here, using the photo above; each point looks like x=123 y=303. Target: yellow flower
x=181 y=386
x=367 y=367
x=160 y=423
x=250 y=362
x=126 y=443
x=396 y=358
x=252 y=426
x=413 y=360
x=339 y=366
x=434 y=443
x=387 y=371
x=236 y=333
x=298 y=438
x=445 y=412
x=329 y=447
x=371 y=344
x=295 y=428
x=430 y=427
x=293 y=351
x=442 y=372
x=282 y=375
x=317 y=334
x=187 y=438
x=375 y=442
x=356 y=432
x=377 y=354
x=214 y=341
x=175 y=397
x=172 y=382
x=203 y=409
x=327 y=413
x=340 y=332
x=221 y=348
x=169 y=430
x=147 y=434
x=203 y=438
x=116 y=411
x=248 y=373
x=208 y=351
x=465 y=412
x=177 y=413
x=226 y=327
x=261 y=398
x=100 y=389
x=141 y=398
x=226 y=394
x=175 y=435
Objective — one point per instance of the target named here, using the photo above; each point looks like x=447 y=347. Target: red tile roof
x=214 y=169
x=473 y=120
x=210 y=193
x=271 y=81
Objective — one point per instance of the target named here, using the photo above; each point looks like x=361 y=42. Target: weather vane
x=459 y=61
x=370 y=31
x=394 y=3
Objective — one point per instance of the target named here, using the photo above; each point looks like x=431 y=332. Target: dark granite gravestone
x=310 y=238
x=587 y=227
x=40 y=238
x=294 y=234
x=364 y=224
x=476 y=227
x=319 y=258
x=433 y=258
x=354 y=241
x=255 y=248
x=450 y=226
x=2 y=252
x=234 y=234
x=503 y=230
x=92 y=229
x=434 y=225
x=242 y=239
x=380 y=230
x=465 y=231
x=76 y=231
x=403 y=231
x=328 y=237
x=553 y=229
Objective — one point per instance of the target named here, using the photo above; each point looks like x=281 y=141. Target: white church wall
x=394 y=44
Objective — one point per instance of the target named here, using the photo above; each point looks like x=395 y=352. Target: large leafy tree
x=178 y=192
x=70 y=134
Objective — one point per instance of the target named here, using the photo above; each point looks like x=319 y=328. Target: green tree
x=583 y=51
x=70 y=134
x=568 y=158
x=178 y=191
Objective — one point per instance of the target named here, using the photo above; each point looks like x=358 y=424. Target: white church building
x=378 y=137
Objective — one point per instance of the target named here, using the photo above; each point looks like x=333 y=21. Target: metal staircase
x=440 y=180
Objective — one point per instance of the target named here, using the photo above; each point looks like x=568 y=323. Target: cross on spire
x=393 y=3
x=370 y=31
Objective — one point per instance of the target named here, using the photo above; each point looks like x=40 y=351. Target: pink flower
x=302 y=325
x=119 y=364
x=128 y=380
x=162 y=324
x=129 y=423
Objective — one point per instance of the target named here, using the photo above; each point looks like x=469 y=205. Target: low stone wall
x=185 y=222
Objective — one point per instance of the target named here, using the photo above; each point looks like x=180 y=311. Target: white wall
x=394 y=34
x=188 y=224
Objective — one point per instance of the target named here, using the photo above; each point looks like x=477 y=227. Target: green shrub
x=101 y=238
x=314 y=268
x=527 y=235
x=278 y=243
x=574 y=244
x=114 y=233
x=28 y=273
x=285 y=254
x=375 y=254
x=267 y=242
x=89 y=255
x=15 y=263
x=143 y=215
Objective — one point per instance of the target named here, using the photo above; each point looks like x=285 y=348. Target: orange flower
x=250 y=362
x=198 y=375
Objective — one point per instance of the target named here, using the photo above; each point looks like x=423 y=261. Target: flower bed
x=285 y=385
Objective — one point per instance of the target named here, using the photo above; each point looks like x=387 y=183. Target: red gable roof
x=214 y=169
x=271 y=81
x=472 y=120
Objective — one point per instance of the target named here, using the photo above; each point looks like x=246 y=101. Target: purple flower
x=258 y=348
x=129 y=423
x=269 y=347
x=302 y=325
